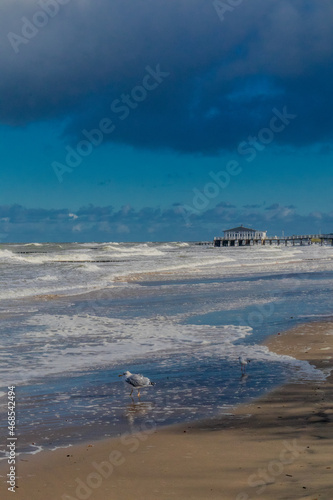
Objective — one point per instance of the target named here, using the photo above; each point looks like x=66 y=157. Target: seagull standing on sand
x=136 y=381
x=243 y=362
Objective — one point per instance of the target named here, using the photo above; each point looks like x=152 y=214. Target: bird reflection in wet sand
x=137 y=410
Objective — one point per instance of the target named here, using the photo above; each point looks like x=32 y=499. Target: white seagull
x=243 y=362
x=136 y=381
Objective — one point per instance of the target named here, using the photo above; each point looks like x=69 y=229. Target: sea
x=74 y=316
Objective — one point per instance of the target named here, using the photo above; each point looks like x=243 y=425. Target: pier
x=304 y=239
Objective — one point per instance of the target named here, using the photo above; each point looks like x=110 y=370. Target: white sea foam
x=7 y=255
x=47 y=277
x=59 y=343
x=141 y=250
x=62 y=343
x=61 y=447
x=41 y=258
x=91 y=268
x=33 y=245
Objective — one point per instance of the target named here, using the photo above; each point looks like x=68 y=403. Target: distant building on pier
x=240 y=236
x=244 y=233
x=245 y=236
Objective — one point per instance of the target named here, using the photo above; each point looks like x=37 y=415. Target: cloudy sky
x=127 y=120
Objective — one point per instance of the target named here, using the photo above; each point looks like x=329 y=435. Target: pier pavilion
x=243 y=236
x=239 y=236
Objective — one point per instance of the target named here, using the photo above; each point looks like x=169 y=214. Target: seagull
x=243 y=362
x=136 y=381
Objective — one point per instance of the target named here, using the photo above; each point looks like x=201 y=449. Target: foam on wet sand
x=280 y=446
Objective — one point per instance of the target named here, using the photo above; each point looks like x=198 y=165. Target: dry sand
x=280 y=447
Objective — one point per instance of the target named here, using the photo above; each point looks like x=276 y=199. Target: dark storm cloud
x=225 y=77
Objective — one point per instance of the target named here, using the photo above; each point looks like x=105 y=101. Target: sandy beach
x=279 y=447
x=166 y=250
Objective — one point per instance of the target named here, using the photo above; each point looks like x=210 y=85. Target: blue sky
x=164 y=120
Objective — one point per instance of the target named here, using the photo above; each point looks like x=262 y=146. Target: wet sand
x=279 y=447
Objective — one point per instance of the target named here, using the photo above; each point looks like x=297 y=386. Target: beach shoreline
x=279 y=446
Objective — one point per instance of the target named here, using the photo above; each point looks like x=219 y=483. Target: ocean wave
x=91 y=268
x=142 y=250
x=172 y=245
x=33 y=244
x=83 y=267
x=195 y=266
x=110 y=243
x=8 y=255
x=47 y=277
x=181 y=244
x=37 y=258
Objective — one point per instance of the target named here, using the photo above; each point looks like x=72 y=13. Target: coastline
x=278 y=446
